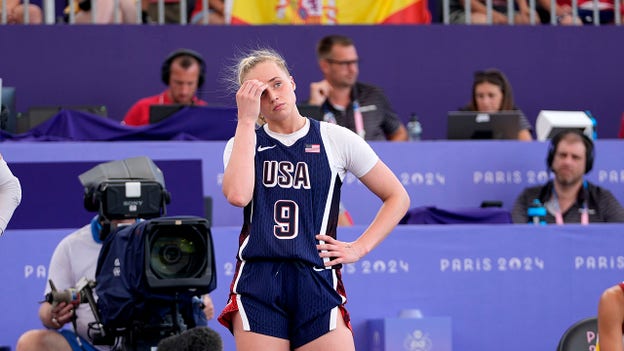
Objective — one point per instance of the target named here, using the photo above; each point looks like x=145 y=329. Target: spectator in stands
x=171 y=7
x=15 y=13
x=568 y=197
x=478 y=12
x=216 y=12
x=585 y=11
x=183 y=72
x=563 y=11
x=105 y=13
x=75 y=258
x=492 y=92
x=361 y=107
x=10 y=194
x=611 y=319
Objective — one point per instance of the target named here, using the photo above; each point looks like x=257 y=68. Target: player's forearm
x=391 y=212
x=238 y=178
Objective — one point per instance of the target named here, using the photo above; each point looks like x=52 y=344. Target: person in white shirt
x=10 y=194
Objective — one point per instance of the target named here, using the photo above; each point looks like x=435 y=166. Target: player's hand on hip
x=339 y=251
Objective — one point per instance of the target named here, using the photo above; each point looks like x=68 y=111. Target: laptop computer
x=158 y=113
x=311 y=111
x=479 y=125
x=39 y=114
x=8 y=103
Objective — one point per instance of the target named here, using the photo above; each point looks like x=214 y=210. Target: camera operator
x=75 y=259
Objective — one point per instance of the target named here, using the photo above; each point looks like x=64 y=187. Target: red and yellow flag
x=330 y=12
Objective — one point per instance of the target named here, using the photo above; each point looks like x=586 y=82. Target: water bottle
x=414 y=128
x=537 y=213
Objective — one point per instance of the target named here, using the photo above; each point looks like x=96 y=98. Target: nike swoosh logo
x=318 y=269
x=262 y=148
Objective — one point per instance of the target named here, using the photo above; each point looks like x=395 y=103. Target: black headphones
x=91 y=200
x=166 y=66
x=589 y=148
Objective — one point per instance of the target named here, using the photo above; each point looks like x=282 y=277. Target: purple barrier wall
x=448 y=174
x=424 y=69
x=531 y=282
x=52 y=196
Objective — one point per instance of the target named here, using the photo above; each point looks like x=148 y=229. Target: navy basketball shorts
x=287 y=299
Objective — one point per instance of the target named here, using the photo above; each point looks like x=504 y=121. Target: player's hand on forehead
x=248 y=99
x=253 y=87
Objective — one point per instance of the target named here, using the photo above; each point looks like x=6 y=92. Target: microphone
x=194 y=339
x=537 y=213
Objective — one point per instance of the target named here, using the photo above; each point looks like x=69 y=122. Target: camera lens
x=177 y=254
x=171 y=254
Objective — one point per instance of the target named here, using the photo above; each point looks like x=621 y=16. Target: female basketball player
x=287 y=292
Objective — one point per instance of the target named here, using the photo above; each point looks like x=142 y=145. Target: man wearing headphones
x=568 y=197
x=183 y=72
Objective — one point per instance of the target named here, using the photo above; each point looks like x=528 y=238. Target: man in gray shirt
x=363 y=108
x=568 y=197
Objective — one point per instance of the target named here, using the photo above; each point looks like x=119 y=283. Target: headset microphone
x=166 y=66
x=554 y=143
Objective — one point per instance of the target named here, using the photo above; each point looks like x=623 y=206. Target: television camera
x=149 y=274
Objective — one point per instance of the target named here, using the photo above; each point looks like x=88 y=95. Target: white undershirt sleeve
x=349 y=152
x=10 y=194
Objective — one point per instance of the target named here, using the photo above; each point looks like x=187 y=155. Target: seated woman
x=478 y=12
x=585 y=11
x=15 y=13
x=216 y=12
x=611 y=319
x=562 y=9
x=491 y=92
x=105 y=13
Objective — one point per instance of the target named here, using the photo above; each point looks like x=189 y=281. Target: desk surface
x=495 y=282
x=447 y=174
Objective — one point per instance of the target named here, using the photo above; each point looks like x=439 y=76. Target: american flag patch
x=313 y=148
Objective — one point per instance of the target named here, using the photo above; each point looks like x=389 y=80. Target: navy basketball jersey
x=296 y=197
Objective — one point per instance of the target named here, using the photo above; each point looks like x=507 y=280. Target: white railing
x=597 y=9
x=130 y=11
x=121 y=11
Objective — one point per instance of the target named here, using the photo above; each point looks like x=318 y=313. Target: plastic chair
x=580 y=336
